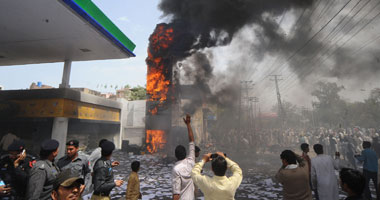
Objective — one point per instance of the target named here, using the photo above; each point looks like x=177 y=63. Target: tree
x=138 y=93
x=367 y=113
x=330 y=108
x=293 y=116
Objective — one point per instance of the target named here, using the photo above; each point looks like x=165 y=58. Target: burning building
x=163 y=112
x=160 y=89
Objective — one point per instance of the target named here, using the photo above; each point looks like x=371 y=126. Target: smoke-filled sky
x=303 y=40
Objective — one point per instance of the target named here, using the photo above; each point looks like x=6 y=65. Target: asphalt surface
x=155 y=178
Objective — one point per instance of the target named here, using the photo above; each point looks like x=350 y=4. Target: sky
x=136 y=19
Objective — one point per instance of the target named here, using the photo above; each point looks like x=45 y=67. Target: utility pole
x=253 y=115
x=246 y=86
x=281 y=111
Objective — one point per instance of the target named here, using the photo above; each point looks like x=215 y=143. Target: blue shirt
x=369 y=158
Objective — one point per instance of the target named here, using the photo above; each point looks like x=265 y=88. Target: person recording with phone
x=14 y=171
x=219 y=186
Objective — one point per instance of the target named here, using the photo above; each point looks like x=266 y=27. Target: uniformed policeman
x=44 y=172
x=77 y=163
x=68 y=186
x=15 y=168
x=103 y=175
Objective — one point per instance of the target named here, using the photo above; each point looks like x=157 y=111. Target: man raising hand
x=183 y=187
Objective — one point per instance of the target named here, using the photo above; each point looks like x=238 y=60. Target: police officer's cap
x=66 y=179
x=49 y=145
x=74 y=143
x=17 y=145
x=108 y=146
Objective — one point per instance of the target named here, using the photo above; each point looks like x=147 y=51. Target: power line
x=291 y=80
x=293 y=29
x=357 y=32
x=314 y=36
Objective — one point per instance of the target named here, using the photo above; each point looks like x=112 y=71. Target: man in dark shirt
x=15 y=168
x=352 y=182
x=72 y=160
x=103 y=175
x=43 y=173
x=370 y=167
x=305 y=150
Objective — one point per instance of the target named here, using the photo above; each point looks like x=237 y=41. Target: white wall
x=133 y=121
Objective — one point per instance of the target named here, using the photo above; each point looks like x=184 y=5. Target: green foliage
x=331 y=110
x=138 y=93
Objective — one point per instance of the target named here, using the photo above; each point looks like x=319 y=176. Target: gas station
x=50 y=31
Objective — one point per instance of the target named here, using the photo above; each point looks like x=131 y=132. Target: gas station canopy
x=46 y=31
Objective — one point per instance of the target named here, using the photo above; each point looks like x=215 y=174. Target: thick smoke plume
x=203 y=24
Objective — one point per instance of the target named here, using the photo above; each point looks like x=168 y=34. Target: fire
x=158 y=83
x=159 y=86
x=155 y=140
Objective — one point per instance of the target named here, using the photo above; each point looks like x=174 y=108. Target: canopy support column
x=66 y=75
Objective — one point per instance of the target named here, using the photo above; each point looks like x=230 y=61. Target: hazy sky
x=136 y=19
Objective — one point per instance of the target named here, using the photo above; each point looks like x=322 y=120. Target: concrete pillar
x=117 y=141
x=59 y=133
x=66 y=75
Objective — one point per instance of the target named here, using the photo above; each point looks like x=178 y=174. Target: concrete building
x=61 y=31
x=133 y=121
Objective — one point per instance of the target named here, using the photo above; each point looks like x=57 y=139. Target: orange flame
x=157 y=83
x=158 y=80
x=155 y=140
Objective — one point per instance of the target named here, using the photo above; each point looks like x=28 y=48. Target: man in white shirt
x=182 y=184
x=323 y=179
x=219 y=187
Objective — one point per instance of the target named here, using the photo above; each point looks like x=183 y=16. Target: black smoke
x=226 y=16
x=201 y=24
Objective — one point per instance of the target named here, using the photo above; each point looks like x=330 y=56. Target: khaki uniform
x=96 y=197
x=133 y=187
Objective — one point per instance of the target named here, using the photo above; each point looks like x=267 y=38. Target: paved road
x=155 y=179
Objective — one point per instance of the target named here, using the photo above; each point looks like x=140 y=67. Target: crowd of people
x=73 y=175
x=300 y=174
x=24 y=177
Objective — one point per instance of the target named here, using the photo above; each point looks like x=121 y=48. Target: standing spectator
x=305 y=150
x=103 y=174
x=294 y=177
x=197 y=152
x=351 y=152
x=133 y=187
x=183 y=186
x=219 y=187
x=7 y=140
x=370 y=166
x=95 y=155
x=68 y=185
x=376 y=145
x=323 y=178
x=72 y=160
x=15 y=168
x=44 y=172
x=352 y=182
